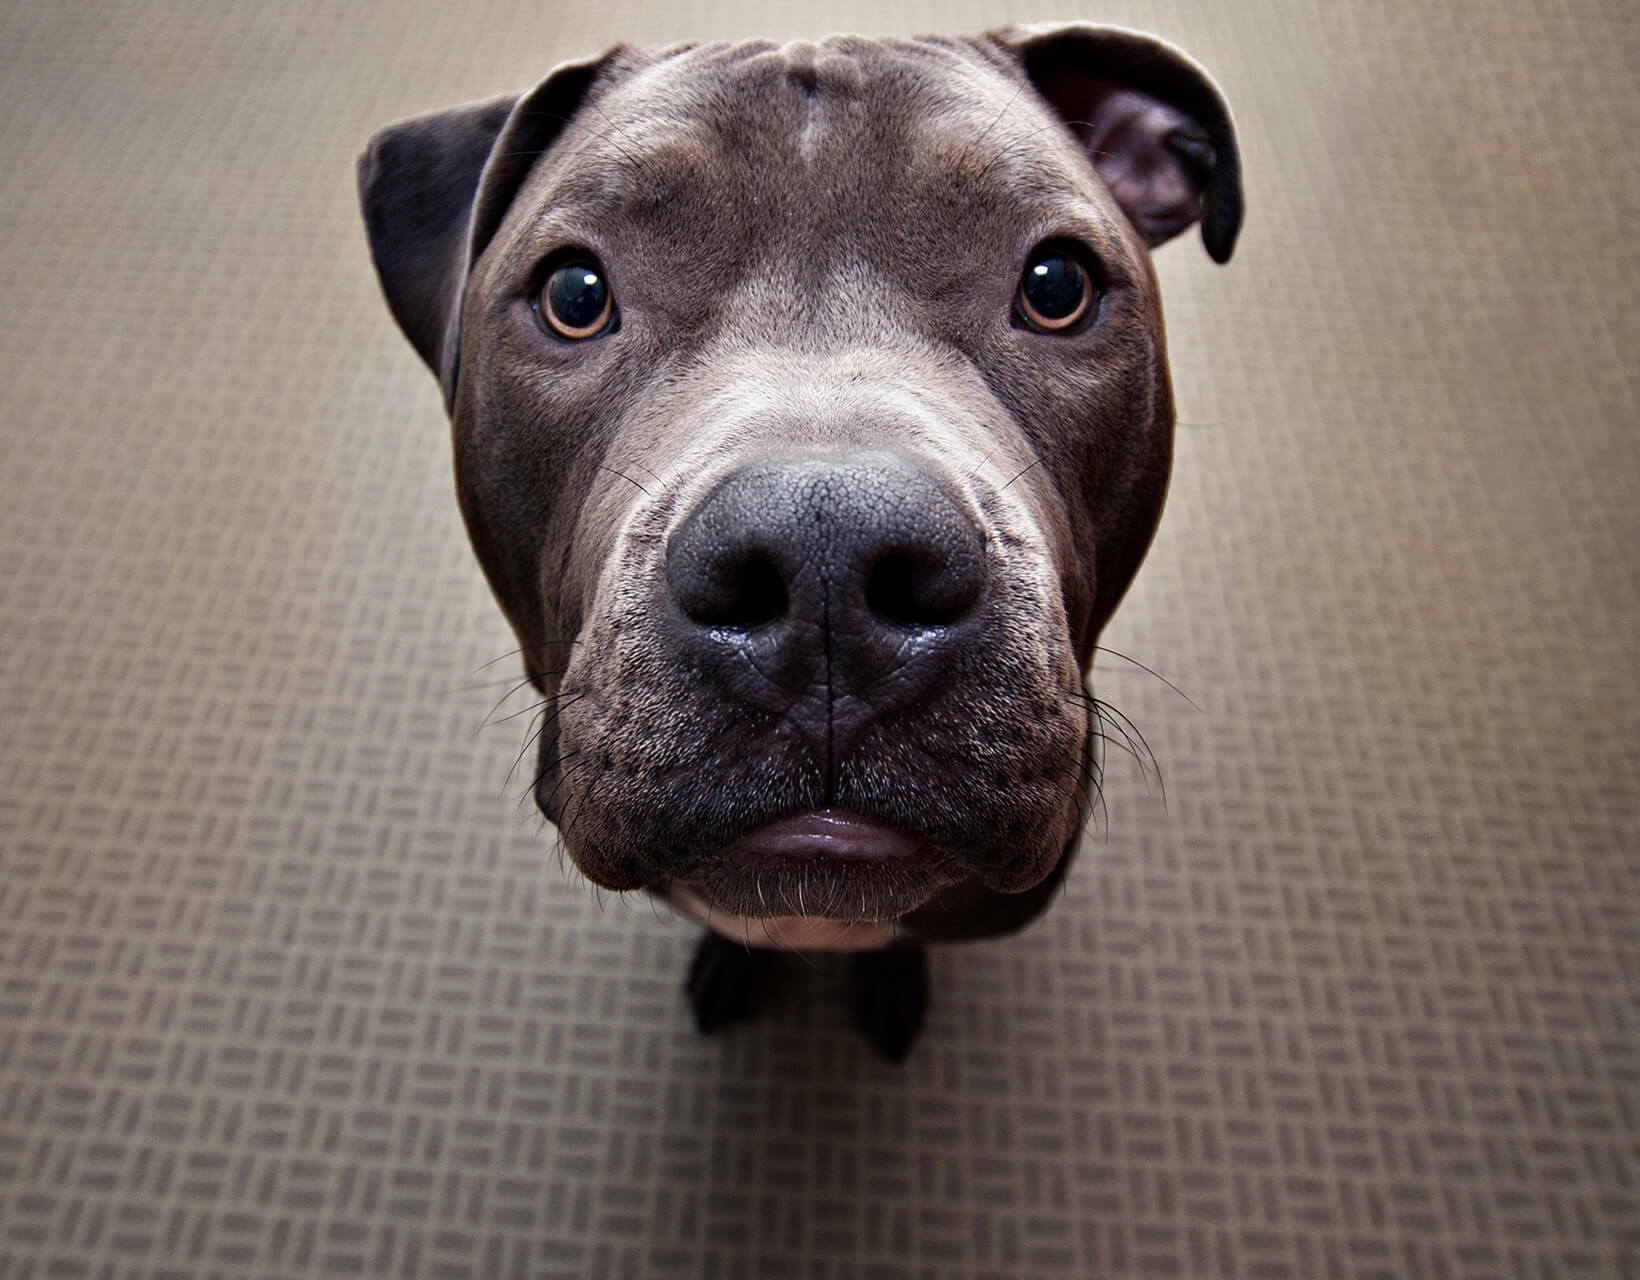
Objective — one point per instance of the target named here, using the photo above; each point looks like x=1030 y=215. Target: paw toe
x=889 y=992
x=725 y=982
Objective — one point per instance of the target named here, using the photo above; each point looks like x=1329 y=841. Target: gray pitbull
x=811 y=416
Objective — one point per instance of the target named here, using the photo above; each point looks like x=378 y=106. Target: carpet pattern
x=293 y=983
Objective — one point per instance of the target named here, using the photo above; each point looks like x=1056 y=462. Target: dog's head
x=811 y=416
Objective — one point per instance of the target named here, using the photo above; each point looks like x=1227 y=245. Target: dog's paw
x=888 y=990
x=726 y=981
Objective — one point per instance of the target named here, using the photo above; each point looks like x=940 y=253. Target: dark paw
x=726 y=981
x=889 y=993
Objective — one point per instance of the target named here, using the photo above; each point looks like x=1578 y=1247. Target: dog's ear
x=1150 y=119
x=435 y=187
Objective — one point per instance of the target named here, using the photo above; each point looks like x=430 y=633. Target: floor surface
x=292 y=984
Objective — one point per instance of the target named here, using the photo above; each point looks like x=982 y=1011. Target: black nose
x=831 y=572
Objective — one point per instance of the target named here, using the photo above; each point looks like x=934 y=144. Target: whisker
x=563 y=705
x=513 y=653
x=480 y=685
x=1037 y=463
x=530 y=740
x=982 y=462
x=994 y=123
x=1122 y=738
x=637 y=163
x=562 y=777
x=566 y=826
x=536 y=706
x=1125 y=727
x=515 y=686
x=625 y=477
x=1093 y=774
x=1111 y=721
x=501 y=701
x=1148 y=671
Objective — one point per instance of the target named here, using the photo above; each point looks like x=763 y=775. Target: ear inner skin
x=1154 y=158
x=1152 y=121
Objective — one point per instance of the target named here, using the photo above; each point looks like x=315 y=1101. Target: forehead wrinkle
x=610 y=175
x=1007 y=182
x=1023 y=156
x=588 y=190
x=647 y=135
x=630 y=141
x=968 y=141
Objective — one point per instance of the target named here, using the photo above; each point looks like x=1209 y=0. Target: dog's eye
x=1054 y=292
x=576 y=301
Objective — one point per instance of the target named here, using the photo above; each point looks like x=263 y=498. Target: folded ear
x=433 y=190
x=1152 y=122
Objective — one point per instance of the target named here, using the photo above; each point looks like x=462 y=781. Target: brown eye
x=576 y=301
x=1054 y=291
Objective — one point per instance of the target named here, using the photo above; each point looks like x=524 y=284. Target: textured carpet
x=292 y=983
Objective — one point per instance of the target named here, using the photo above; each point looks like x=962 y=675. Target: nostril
x=849 y=549
x=918 y=589
x=742 y=593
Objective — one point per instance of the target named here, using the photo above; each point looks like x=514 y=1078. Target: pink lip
x=829 y=833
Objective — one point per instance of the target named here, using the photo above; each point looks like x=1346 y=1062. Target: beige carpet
x=291 y=983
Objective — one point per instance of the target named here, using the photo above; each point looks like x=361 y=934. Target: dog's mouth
x=826 y=834
x=822 y=863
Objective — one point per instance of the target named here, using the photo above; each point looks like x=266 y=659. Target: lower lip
x=828 y=833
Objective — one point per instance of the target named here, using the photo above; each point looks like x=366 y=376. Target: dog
x=811 y=415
